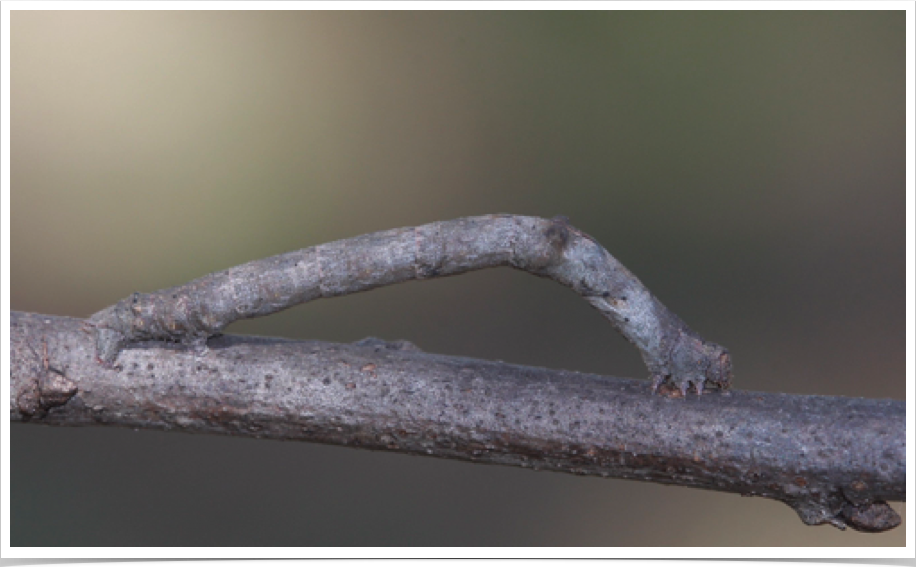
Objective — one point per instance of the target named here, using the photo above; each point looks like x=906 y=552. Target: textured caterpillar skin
x=193 y=312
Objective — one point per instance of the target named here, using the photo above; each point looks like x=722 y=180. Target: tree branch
x=834 y=460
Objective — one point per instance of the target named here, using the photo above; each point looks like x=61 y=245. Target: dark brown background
x=747 y=166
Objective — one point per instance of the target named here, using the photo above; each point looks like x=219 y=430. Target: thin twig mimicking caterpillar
x=193 y=312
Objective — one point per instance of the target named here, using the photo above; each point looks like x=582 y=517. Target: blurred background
x=749 y=167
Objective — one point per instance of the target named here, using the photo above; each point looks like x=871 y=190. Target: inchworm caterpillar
x=193 y=312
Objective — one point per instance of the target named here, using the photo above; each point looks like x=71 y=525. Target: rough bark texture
x=834 y=460
x=193 y=312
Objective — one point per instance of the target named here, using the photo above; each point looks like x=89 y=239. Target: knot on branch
x=870 y=517
x=48 y=389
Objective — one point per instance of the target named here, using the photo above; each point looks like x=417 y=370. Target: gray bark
x=194 y=312
x=834 y=460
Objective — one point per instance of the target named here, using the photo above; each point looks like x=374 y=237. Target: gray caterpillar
x=193 y=312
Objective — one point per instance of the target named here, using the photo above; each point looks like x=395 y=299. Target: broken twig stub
x=194 y=312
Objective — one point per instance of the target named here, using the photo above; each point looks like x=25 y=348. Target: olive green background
x=749 y=167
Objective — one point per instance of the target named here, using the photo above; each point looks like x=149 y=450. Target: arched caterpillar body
x=193 y=312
